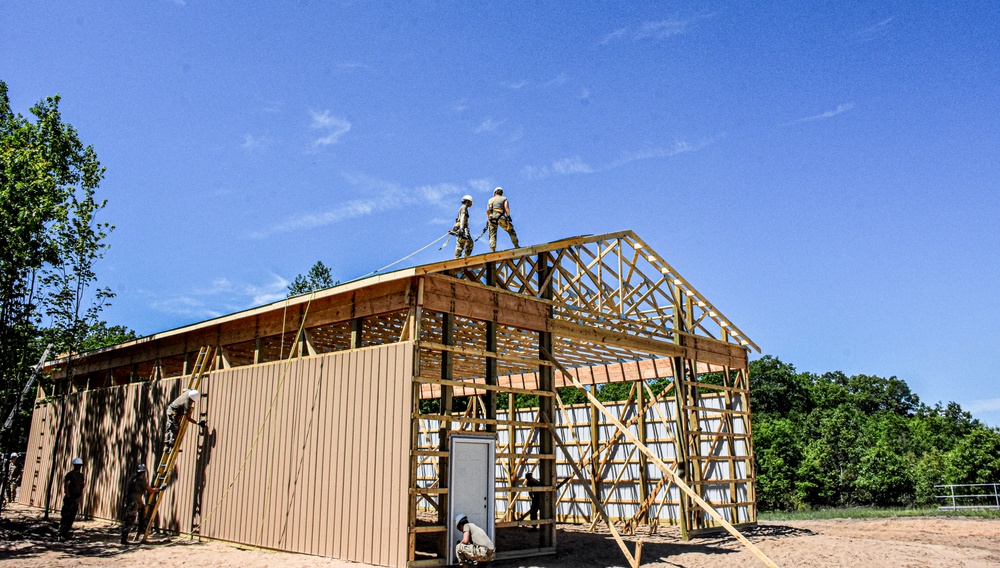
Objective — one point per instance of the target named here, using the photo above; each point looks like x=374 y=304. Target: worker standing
x=14 y=479
x=72 y=493
x=180 y=409
x=536 y=499
x=135 y=502
x=463 y=239
x=475 y=546
x=498 y=214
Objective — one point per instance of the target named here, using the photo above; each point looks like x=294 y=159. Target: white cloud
x=461 y=106
x=488 y=125
x=841 y=108
x=983 y=405
x=661 y=29
x=482 y=185
x=252 y=143
x=877 y=30
x=559 y=79
x=572 y=165
x=576 y=165
x=350 y=66
x=222 y=295
x=380 y=196
x=518 y=85
x=272 y=107
x=334 y=126
x=619 y=33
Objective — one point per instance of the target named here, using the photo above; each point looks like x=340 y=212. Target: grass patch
x=870 y=513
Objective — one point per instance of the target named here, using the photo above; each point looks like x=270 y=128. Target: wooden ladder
x=167 y=461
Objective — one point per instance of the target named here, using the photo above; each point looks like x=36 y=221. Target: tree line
x=832 y=440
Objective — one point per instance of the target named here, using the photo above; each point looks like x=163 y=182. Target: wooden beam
x=663 y=467
x=633 y=560
x=564 y=328
x=546 y=407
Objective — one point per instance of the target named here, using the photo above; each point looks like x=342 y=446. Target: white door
x=471 y=482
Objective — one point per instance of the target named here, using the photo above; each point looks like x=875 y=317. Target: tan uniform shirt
x=498 y=204
x=478 y=536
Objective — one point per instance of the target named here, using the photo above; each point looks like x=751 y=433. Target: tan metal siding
x=327 y=476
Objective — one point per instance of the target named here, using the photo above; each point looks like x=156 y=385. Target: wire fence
x=970 y=496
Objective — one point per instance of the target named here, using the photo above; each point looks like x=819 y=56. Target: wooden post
x=490 y=397
x=681 y=441
x=595 y=473
x=356 y=339
x=258 y=354
x=680 y=397
x=411 y=509
x=447 y=372
x=640 y=406
x=511 y=462
x=546 y=407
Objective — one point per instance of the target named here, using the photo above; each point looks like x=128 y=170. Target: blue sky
x=825 y=173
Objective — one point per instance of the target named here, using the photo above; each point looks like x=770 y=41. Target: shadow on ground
x=580 y=548
x=24 y=535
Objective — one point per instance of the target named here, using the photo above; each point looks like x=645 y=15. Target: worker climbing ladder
x=167 y=461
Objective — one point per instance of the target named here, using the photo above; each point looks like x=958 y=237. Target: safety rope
x=421 y=249
x=267 y=417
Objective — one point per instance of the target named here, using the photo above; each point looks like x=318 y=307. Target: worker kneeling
x=476 y=546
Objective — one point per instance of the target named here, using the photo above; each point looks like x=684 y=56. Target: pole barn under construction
x=356 y=422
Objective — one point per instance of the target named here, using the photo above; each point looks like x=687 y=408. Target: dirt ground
x=28 y=541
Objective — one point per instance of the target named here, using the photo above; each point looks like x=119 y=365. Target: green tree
x=928 y=471
x=101 y=335
x=775 y=388
x=50 y=240
x=778 y=451
x=318 y=278
x=885 y=477
x=975 y=459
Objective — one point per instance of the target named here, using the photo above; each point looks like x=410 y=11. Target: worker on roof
x=498 y=214
x=463 y=239
x=73 y=484
x=135 y=502
x=180 y=409
x=475 y=546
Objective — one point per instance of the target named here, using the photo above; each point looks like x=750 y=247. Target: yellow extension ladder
x=166 y=467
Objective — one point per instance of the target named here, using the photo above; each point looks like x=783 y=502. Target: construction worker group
x=137 y=488
x=497 y=215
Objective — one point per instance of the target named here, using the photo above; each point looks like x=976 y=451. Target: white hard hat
x=13 y=455
x=459 y=518
x=467 y=198
x=498 y=191
x=77 y=461
x=194 y=395
x=141 y=468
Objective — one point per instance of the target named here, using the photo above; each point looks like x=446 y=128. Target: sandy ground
x=28 y=541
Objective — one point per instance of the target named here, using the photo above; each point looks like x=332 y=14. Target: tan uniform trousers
x=473 y=553
x=495 y=220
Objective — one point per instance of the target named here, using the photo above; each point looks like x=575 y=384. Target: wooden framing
x=488 y=329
